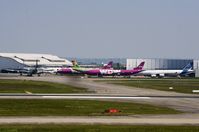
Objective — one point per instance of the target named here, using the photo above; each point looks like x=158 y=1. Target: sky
x=101 y=28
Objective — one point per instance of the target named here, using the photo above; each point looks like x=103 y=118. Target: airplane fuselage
x=162 y=72
x=111 y=72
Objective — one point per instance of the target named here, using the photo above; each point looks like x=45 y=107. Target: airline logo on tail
x=140 y=66
x=187 y=68
x=108 y=66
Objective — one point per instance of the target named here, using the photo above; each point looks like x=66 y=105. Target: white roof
x=41 y=59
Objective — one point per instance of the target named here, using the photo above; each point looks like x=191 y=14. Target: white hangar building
x=20 y=60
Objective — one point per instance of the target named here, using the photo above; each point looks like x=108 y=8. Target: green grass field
x=21 y=86
x=178 y=85
x=42 y=107
x=95 y=128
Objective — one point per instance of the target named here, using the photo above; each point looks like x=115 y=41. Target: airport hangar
x=21 y=60
x=164 y=64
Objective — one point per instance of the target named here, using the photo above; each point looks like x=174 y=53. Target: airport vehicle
x=162 y=73
x=113 y=72
x=76 y=69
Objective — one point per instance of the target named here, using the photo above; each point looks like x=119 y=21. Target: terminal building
x=20 y=60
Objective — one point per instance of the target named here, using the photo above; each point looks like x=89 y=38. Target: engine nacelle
x=161 y=75
x=153 y=75
x=158 y=75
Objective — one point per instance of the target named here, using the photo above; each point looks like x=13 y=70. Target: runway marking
x=93 y=97
x=54 y=95
x=100 y=120
x=195 y=91
x=28 y=92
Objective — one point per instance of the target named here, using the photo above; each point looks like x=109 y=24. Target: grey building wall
x=196 y=72
x=196 y=64
x=98 y=61
x=158 y=64
x=196 y=67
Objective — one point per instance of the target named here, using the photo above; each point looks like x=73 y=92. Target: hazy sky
x=101 y=28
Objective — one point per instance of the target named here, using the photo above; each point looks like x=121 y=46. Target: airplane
x=36 y=69
x=10 y=70
x=67 y=70
x=113 y=72
x=50 y=70
x=29 y=71
x=162 y=73
x=133 y=71
x=76 y=68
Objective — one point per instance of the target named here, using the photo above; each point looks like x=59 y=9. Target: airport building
x=20 y=60
x=159 y=64
x=196 y=67
x=163 y=64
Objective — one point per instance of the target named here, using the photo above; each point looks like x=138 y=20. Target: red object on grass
x=112 y=111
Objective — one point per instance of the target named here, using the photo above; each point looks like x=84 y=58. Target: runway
x=113 y=120
x=67 y=96
x=178 y=101
x=87 y=96
x=188 y=103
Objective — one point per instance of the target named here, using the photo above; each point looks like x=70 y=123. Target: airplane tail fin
x=108 y=66
x=140 y=66
x=74 y=62
x=187 y=68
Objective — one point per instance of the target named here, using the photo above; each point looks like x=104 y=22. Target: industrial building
x=159 y=64
x=20 y=60
x=164 y=64
x=196 y=67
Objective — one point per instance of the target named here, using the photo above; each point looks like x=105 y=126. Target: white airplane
x=162 y=73
x=29 y=71
x=51 y=70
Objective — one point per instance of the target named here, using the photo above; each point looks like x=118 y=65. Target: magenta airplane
x=76 y=69
x=133 y=71
x=112 y=72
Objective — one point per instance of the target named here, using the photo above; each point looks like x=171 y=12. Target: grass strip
x=95 y=128
x=44 y=107
x=22 y=86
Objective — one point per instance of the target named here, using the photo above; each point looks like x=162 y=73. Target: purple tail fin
x=140 y=66
x=108 y=66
